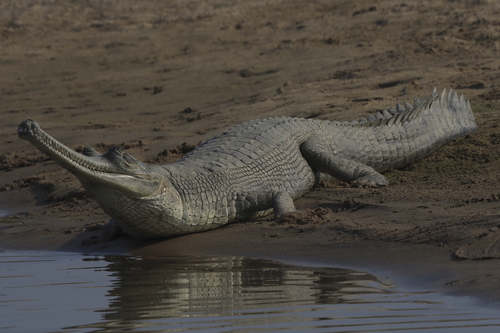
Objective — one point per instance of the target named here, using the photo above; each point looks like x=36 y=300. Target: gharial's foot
x=111 y=232
x=372 y=180
x=282 y=204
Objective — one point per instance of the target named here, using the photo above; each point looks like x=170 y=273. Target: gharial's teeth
x=52 y=144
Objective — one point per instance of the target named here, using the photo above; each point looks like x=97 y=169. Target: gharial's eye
x=129 y=159
x=117 y=150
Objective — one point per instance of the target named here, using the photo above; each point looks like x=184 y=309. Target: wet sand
x=158 y=78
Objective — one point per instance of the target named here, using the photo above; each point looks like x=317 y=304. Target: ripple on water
x=47 y=292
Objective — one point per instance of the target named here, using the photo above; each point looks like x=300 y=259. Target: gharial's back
x=249 y=141
x=260 y=154
x=390 y=139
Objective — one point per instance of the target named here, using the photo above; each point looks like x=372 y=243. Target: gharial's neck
x=156 y=216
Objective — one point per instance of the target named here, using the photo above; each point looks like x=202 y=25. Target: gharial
x=256 y=167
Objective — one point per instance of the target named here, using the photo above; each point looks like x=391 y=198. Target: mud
x=160 y=77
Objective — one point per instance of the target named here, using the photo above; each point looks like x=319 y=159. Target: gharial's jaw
x=67 y=158
x=114 y=169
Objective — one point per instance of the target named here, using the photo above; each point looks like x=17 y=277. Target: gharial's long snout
x=115 y=168
x=68 y=158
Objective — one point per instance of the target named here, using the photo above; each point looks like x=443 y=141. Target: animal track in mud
x=492 y=198
x=20 y=183
x=107 y=146
x=190 y=114
x=97 y=126
x=306 y=217
x=250 y=72
x=167 y=155
x=10 y=161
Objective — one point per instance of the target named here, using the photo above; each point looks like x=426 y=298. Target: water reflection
x=70 y=293
x=199 y=286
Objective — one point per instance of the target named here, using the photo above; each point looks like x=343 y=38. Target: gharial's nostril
x=27 y=129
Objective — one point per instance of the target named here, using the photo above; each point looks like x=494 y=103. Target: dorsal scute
x=407 y=112
x=387 y=114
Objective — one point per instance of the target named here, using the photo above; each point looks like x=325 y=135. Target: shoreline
x=169 y=75
x=420 y=267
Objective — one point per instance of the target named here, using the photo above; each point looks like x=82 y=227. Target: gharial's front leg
x=255 y=201
x=323 y=159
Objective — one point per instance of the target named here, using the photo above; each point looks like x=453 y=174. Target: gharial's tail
x=410 y=133
x=449 y=110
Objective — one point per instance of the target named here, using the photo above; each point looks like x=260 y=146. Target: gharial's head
x=114 y=169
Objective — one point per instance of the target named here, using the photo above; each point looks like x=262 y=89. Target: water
x=61 y=292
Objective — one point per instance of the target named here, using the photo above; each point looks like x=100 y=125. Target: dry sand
x=159 y=77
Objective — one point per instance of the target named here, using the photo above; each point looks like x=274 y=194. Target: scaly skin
x=256 y=167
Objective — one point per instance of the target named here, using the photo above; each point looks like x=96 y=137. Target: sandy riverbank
x=151 y=76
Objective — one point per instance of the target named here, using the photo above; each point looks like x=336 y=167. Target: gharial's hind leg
x=323 y=159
